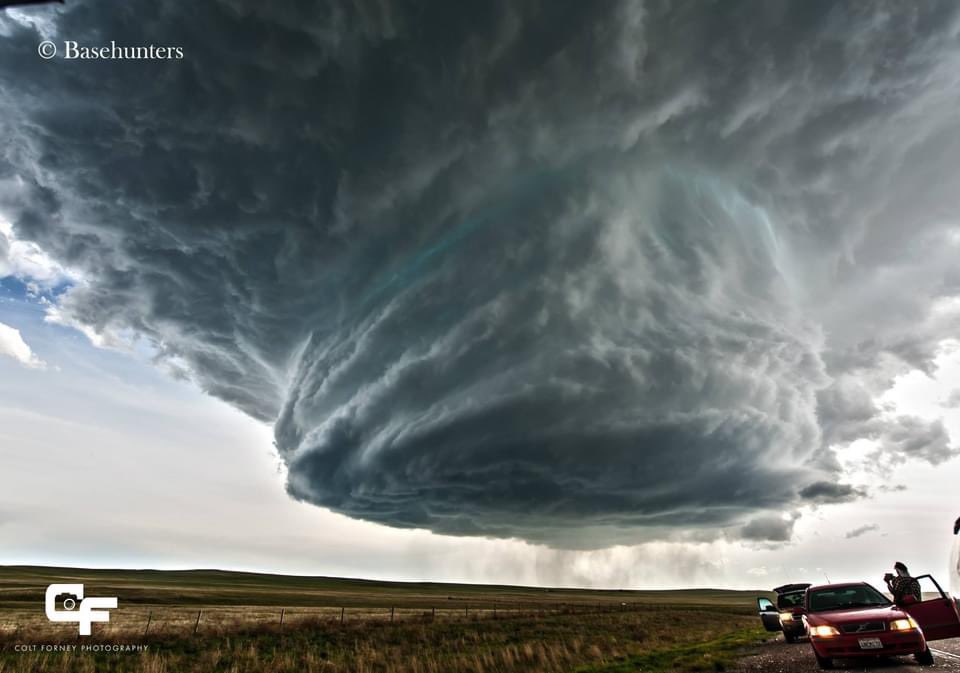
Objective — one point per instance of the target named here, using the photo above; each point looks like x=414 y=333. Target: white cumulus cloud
x=12 y=345
x=27 y=261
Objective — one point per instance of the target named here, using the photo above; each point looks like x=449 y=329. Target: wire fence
x=145 y=620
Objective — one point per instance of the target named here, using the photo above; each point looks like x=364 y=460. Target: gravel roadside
x=777 y=656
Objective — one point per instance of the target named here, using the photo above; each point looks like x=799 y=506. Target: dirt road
x=779 y=657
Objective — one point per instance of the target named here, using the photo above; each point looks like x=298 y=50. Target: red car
x=855 y=620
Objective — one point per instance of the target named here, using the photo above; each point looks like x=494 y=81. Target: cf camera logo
x=76 y=608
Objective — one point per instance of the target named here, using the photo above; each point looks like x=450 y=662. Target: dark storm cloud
x=848 y=411
x=913 y=437
x=862 y=530
x=826 y=492
x=953 y=400
x=768 y=529
x=579 y=273
x=5 y=266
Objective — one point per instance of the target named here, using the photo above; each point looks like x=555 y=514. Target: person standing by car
x=955 y=563
x=901 y=585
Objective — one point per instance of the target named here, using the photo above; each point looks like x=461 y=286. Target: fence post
x=433 y=613
x=391 y=614
x=197 y=625
x=466 y=610
x=341 y=615
x=494 y=609
x=282 y=610
x=149 y=617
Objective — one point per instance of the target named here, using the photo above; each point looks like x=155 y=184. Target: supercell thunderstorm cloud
x=576 y=273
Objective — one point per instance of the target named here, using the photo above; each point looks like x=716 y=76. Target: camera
x=67 y=601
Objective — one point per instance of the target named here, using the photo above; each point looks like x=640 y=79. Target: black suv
x=787 y=614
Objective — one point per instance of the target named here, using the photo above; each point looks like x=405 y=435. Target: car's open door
x=769 y=614
x=937 y=614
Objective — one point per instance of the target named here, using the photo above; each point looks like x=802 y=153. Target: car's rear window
x=794 y=599
x=846 y=597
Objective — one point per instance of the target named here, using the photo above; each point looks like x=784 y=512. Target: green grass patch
x=713 y=655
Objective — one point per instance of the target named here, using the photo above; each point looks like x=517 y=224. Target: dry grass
x=528 y=643
x=22 y=586
x=136 y=622
x=436 y=628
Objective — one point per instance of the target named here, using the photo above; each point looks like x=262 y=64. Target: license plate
x=871 y=644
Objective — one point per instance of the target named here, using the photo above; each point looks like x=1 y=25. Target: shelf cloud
x=576 y=273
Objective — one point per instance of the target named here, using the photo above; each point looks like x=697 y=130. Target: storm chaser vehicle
x=787 y=614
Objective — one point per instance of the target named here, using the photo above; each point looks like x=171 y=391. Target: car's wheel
x=825 y=663
x=789 y=637
x=925 y=658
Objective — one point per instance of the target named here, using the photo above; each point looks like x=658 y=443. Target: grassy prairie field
x=205 y=620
